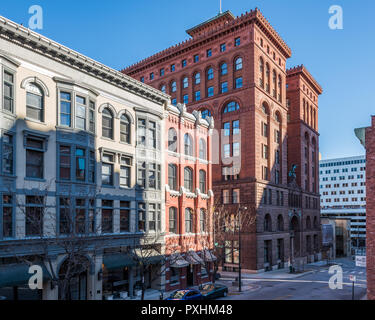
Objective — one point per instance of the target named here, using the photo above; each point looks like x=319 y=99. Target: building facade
x=343 y=194
x=234 y=69
x=189 y=198
x=367 y=138
x=82 y=158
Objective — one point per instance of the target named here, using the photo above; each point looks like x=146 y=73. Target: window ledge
x=11 y=114
x=6 y=175
x=35 y=179
x=108 y=139
x=108 y=186
x=35 y=121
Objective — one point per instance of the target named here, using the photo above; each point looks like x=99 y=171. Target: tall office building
x=343 y=194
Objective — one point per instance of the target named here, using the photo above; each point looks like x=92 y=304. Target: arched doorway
x=294 y=237
x=73 y=274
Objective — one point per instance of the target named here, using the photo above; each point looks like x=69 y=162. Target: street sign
x=352 y=278
x=360 y=261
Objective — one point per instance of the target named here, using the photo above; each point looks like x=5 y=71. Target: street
x=312 y=286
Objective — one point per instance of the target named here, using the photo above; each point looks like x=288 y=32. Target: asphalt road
x=312 y=286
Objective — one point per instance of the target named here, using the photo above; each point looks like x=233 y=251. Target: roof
x=221 y=17
x=12 y=31
x=301 y=70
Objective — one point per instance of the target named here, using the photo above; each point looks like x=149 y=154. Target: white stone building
x=73 y=128
x=343 y=194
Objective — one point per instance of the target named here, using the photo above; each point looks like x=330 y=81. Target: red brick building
x=189 y=198
x=234 y=69
x=367 y=138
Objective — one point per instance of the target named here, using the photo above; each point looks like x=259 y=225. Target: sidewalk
x=276 y=274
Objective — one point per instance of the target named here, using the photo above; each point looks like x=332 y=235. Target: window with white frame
x=34 y=102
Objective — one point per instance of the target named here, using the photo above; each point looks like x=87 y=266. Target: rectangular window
x=8 y=154
x=264 y=151
x=224 y=87
x=236 y=149
x=277 y=157
x=174 y=101
x=152 y=217
x=8 y=230
x=141 y=132
x=236 y=196
x=210 y=91
x=183 y=63
x=65 y=109
x=141 y=217
x=34 y=158
x=64 y=216
x=238 y=84
x=141 y=174
x=237 y=42
x=107 y=169
x=151 y=76
x=209 y=53
x=152 y=134
x=92 y=166
x=227 y=129
x=197 y=95
x=107 y=216
x=80 y=113
x=34 y=103
x=152 y=176
x=186 y=98
x=80 y=216
x=236 y=127
x=173 y=220
x=223 y=47
x=125 y=170
x=65 y=164
x=124 y=216
x=173 y=67
x=227 y=151
x=225 y=196
x=162 y=72
x=92 y=117
x=142 y=79
x=8 y=93
x=34 y=215
x=80 y=164
x=264 y=129
x=196 y=58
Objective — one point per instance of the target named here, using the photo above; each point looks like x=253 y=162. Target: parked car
x=188 y=294
x=211 y=291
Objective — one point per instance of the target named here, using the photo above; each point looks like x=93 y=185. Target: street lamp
x=239 y=250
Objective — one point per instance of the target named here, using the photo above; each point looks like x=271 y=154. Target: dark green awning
x=12 y=275
x=117 y=261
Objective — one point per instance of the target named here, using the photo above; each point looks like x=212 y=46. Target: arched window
x=172 y=176
x=197 y=78
x=223 y=69
x=279 y=90
x=124 y=129
x=202 y=181
x=308 y=223
x=188 y=144
x=267 y=223
x=267 y=77
x=280 y=223
x=210 y=74
x=238 y=64
x=202 y=219
x=261 y=72
x=185 y=83
x=34 y=102
x=278 y=117
x=172 y=140
x=265 y=108
x=107 y=123
x=188 y=220
x=231 y=106
x=274 y=83
x=188 y=179
x=202 y=149
x=173 y=86
x=173 y=220
x=206 y=113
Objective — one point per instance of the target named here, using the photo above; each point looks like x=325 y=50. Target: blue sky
x=119 y=33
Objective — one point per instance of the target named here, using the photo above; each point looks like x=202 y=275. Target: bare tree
x=225 y=223
x=73 y=235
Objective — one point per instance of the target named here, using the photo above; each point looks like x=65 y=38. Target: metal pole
x=353 y=291
x=239 y=253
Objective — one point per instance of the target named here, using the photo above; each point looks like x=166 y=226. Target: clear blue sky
x=119 y=33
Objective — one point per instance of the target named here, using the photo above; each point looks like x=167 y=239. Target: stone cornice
x=306 y=75
x=254 y=16
x=31 y=40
